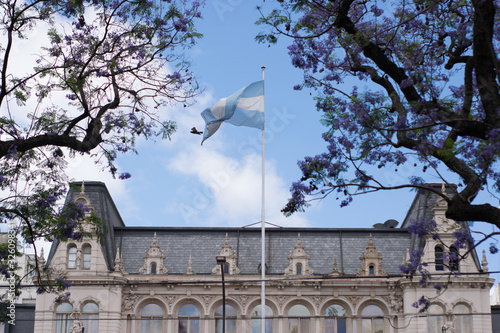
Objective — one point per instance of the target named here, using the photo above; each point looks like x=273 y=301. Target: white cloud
x=230 y=191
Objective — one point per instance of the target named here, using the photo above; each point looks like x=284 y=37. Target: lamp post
x=222 y=261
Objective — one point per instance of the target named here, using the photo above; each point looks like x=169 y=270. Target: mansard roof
x=202 y=244
x=324 y=245
x=105 y=209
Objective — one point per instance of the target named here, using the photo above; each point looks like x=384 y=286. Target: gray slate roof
x=104 y=208
x=202 y=244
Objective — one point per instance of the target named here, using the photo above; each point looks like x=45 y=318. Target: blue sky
x=181 y=183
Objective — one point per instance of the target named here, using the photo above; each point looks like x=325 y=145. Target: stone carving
x=299 y=261
x=119 y=262
x=281 y=299
x=153 y=257
x=317 y=300
x=170 y=299
x=129 y=301
x=395 y=302
x=77 y=326
x=448 y=327
x=231 y=258
x=243 y=300
x=335 y=271
x=371 y=261
x=190 y=267
x=207 y=299
x=354 y=300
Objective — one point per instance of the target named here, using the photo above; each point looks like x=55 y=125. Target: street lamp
x=222 y=261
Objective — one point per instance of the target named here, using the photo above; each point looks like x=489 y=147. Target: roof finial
x=443 y=188
x=82 y=189
x=484 y=263
x=190 y=267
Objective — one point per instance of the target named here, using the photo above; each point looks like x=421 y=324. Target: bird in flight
x=195 y=131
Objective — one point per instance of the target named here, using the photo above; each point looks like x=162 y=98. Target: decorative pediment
x=371 y=261
x=299 y=261
x=231 y=258
x=153 y=259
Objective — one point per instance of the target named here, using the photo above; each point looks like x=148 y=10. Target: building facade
x=154 y=279
x=23 y=310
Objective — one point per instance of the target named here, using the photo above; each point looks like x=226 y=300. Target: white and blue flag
x=243 y=108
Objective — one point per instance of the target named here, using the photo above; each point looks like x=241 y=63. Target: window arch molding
x=254 y=303
x=177 y=306
x=150 y=300
x=378 y=319
x=62 y=316
x=331 y=324
x=232 y=322
x=462 y=317
x=139 y=315
x=436 y=316
x=299 y=321
x=343 y=303
x=186 y=318
x=88 y=299
x=253 y=323
x=378 y=302
x=217 y=303
x=462 y=301
x=307 y=304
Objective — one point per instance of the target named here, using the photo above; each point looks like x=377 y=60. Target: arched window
x=462 y=319
x=63 y=317
x=298 y=319
x=454 y=259
x=90 y=317
x=438 y=256
x=372 y=319
x=87 y=256
x=256 y=318
x=335 y=319
x=299 y=269
x=435 y=318
x=189 y=319
x=72 y=257
x=151 y=319
x=371 y=270
x=153 y=268
x=230 y=319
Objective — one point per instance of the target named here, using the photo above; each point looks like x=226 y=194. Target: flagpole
x=263 y=232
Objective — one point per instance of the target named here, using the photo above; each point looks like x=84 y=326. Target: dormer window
x=299 y=269
x=153 y=268
x=371 y=270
